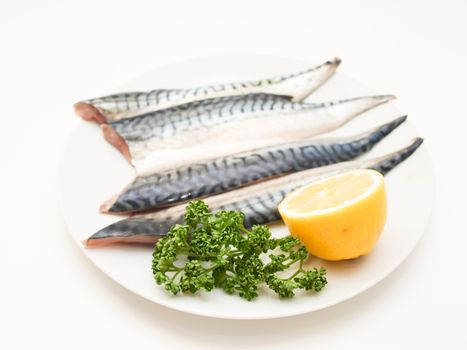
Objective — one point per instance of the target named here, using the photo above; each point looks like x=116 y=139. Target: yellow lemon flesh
x=340 y=217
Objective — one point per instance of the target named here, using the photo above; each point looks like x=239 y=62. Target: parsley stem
x=229 y=254
x=176 y=274
x=175 y=269
x=292 y=262
x=299 y=270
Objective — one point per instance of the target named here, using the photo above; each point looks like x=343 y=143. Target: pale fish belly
x=150 y=154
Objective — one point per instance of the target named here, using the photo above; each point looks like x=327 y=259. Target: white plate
x=92 y=170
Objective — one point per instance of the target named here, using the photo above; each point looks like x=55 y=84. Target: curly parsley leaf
x=215 y=250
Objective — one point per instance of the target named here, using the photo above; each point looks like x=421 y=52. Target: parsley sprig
x=215 y=250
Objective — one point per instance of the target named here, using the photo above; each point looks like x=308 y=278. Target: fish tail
x=314 y=78
x=369 y=139
x=330 y=64
x=388 y=162
x=333 y=64
x=336 y=61
x=360 y=105
x=371 y=101
x=342 y=111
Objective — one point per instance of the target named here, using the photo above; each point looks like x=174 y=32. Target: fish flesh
x=114 y=107
x=258 y=202
x=228 y=173
x=217 y=127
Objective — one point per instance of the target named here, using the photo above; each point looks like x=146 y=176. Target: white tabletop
x=53 y=54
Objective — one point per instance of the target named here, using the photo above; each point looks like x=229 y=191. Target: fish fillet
x=115 y=107
x=227 y=173
x=218 y=127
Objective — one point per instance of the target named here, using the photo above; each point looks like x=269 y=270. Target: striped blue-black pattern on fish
x=258 y=202
x=136 y=100
x=262 y=209
x=385 y=164
x=209 y=129
x=201 y=114
x=227 y=173
x=129 y=104
x=138 y=227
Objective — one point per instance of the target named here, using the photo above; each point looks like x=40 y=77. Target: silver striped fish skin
x=130 y=104
x=227 y=125
x=227 y=173
x=258 y=202
x=203 y=114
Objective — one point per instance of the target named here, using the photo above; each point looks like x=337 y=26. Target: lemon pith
x=338 y=218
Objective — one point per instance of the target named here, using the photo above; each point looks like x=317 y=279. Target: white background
x=53 y=53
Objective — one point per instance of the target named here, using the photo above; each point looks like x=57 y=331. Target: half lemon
x=340 y=217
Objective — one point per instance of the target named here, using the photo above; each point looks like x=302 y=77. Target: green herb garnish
x=216 y=250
